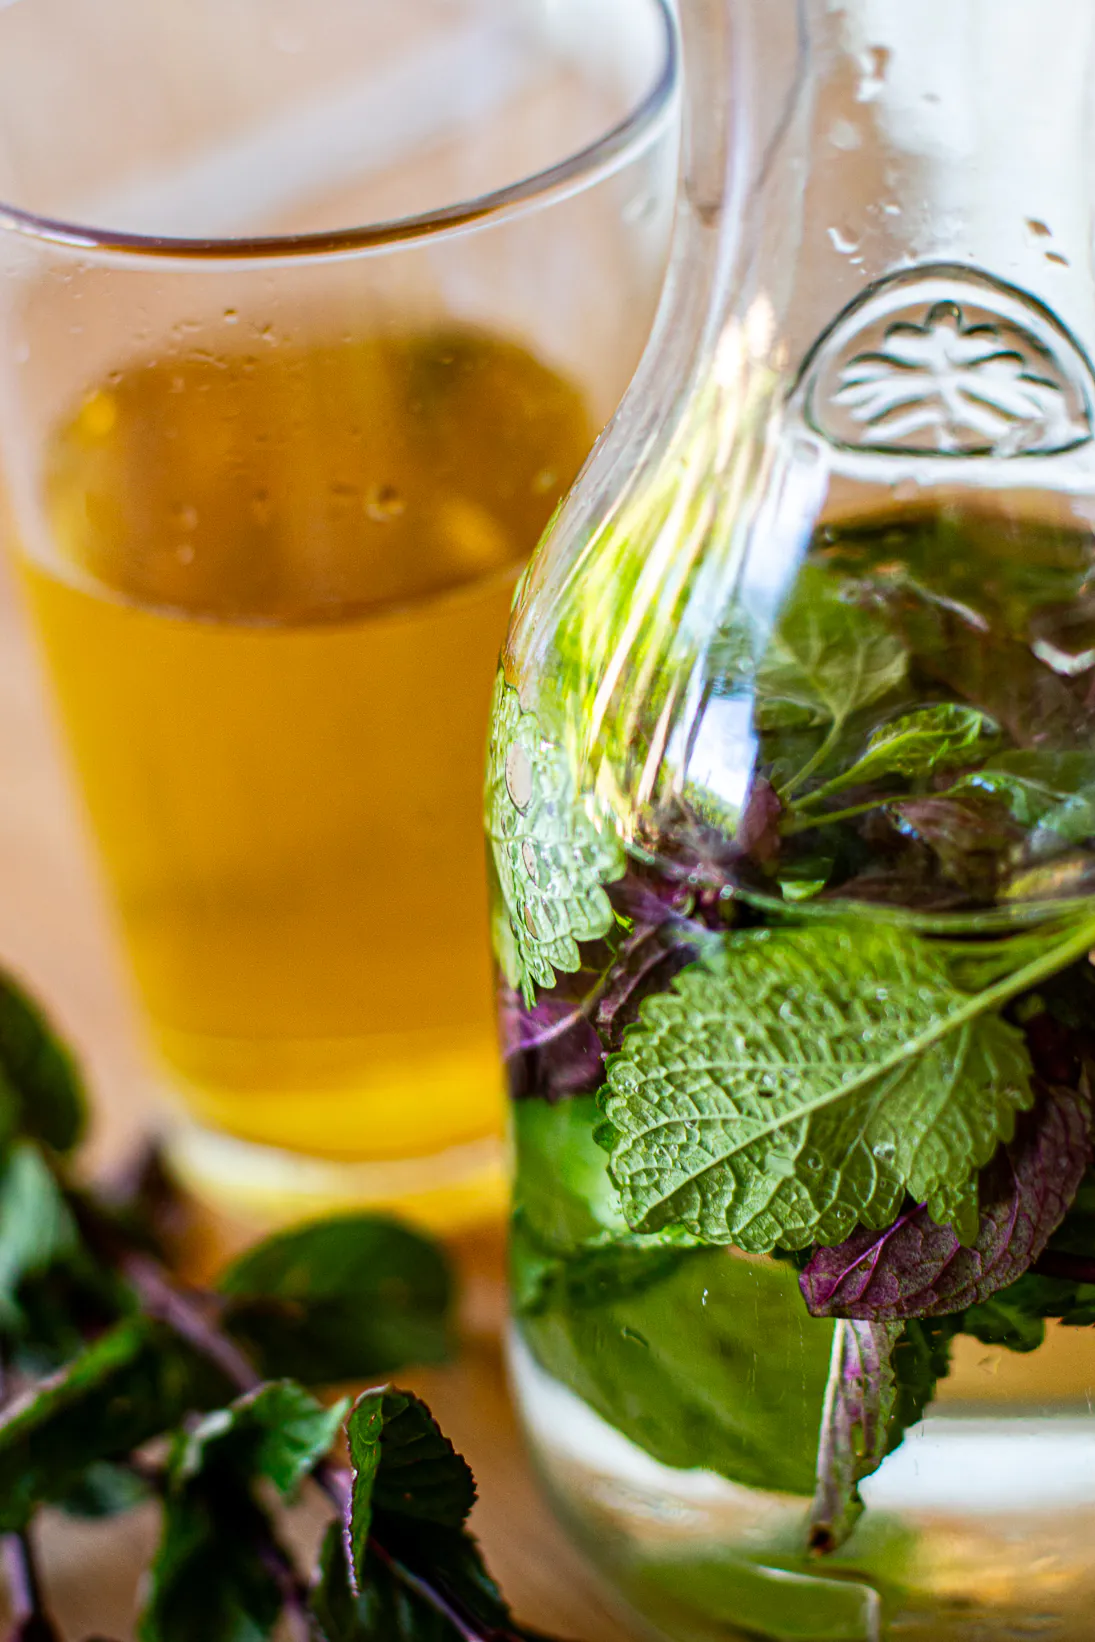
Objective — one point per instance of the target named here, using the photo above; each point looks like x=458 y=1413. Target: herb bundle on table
x=121 y=1384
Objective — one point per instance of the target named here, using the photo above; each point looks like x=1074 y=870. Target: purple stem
x=32 y=1622
x=336 y=1484
x=187 y=1316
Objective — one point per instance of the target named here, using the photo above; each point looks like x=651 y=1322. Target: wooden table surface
x=55 y=934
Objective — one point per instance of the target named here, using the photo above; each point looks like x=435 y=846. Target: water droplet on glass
x=906 y=490
x=845 y=136
x=184 y=516
x=635 y=1337
x=885 y=1151
x=639 y=208
x=1040 y=230
x=384 y=503
x=545 y=481
x=528 y=856
x=519 y=778
x=185 y=553
x=1057 y=259
x=231 y=316
x=261 y=507
x=703 y=1297
x=843 y=242
x=875 y=64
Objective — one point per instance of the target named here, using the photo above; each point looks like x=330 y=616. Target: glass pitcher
x=792 y=808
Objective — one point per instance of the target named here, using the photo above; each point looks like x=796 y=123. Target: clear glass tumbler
x=271 y=477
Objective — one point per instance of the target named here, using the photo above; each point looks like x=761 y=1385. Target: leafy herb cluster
x=120 y=1385
x=855 y=1027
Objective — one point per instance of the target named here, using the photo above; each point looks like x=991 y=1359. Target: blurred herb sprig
x=121 y=1383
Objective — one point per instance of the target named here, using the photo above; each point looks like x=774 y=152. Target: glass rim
x=573 y=174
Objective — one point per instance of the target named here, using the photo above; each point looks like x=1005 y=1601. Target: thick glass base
x=446 y=1192
x=979 y=1529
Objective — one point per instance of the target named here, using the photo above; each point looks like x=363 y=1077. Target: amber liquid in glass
x=279 y=585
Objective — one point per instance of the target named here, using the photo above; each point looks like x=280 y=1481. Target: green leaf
x=921 y=1358
x=827 y=659
x=566 y=1211
x=344 y=1299
x=384 y=1607
x=1053 y=792
x=132 y=1384
x=1015 y=1317
x=36 y=1226
x=917 y=745
x=210 y=1577
x=715 y=1357
x=551 y=860
x=860 y=1404
x=803 y=1080
x=336 y=1607
x=278 y=1433
x=404 y=1466
x=105 y=1491
x=41 y=1072
x=412 y=1493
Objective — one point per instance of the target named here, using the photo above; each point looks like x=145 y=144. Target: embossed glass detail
x=946 y=361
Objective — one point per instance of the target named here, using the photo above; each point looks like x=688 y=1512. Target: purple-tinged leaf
x=758 y=832
x=860 y=1404
x=971 y=839
x=648 y=898
x=648 y=962
x=551 y=1051
x=919 y=1269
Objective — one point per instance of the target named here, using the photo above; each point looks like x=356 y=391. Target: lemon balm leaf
x=551 y=861
x=808 y=1078
x=826 y=659
x=915 y=746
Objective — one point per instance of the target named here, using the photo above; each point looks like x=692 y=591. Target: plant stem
x=187 y=1315
x=814 y=763
x=291 y=1588
x=32 y=1621
x=831 y=816
x=336 y=1485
